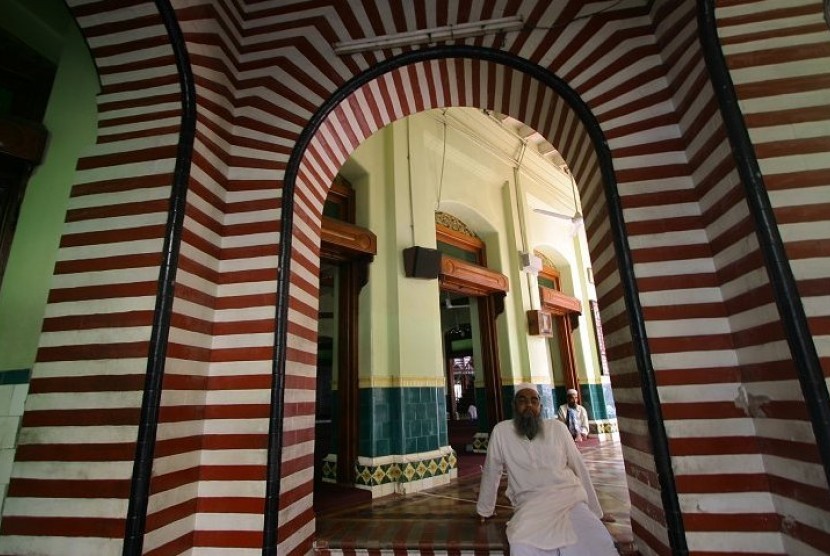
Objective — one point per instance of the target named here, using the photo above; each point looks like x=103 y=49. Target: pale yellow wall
x=586 y=334
x=398 y=175
x=419 y=314
x=371 y=172
x=401 y=342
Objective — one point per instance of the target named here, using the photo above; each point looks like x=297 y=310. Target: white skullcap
x=572 y=391
x=525 y=386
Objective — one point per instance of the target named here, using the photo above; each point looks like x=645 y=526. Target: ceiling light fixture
x=426 y=36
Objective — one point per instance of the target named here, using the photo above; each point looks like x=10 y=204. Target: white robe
x=546 y=479
x=583 y=417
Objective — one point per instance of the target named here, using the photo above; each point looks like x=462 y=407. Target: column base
x=398 y=474
x=604 y=429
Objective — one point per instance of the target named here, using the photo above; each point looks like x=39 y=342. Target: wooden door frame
x=27 y=77
x=563 y=307
x=348 y=423
x=488 y=305
x=352 y=248
x=489 y=287
x=21 y=148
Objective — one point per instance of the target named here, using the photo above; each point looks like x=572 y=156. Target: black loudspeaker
x=422 y=262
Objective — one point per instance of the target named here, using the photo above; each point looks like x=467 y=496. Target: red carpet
x=469 y=465
x=329 y=497
x=591 y=442
x=460 y=434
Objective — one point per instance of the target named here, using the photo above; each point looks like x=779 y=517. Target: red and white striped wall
x=777 y=53
x=747 y=471
x=71 y=478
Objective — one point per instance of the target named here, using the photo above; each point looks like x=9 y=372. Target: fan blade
x=554 y=214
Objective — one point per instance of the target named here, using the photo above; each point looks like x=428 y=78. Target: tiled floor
x=443 y=521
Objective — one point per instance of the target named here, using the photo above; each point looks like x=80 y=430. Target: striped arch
x=481 y=78
x=269 y=84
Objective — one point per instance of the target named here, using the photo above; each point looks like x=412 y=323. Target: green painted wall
x=71 y=119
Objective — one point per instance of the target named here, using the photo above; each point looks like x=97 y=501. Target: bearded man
x=556 y=508
x=574 y=416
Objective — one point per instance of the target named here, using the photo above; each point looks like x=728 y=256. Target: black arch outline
x=136 y=518
x=776 y=262
x=657 y=431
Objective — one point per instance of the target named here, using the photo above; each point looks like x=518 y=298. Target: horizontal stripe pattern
x=71 y=477
x=777 y=56
x=262 y=69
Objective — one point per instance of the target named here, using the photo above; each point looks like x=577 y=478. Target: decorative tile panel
x=371 y=473
x=328 y=470
x=480 y=442
x=604 y=427
x=405 y=469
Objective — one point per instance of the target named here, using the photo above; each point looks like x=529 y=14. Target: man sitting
x=574 y=416
x=472 y=413
x=557 y=510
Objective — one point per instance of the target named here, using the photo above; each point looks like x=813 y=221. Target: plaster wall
x=467 y=167
x=70 y=121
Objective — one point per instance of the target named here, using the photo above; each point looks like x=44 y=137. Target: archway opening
x=482 y=250
x=370 y=106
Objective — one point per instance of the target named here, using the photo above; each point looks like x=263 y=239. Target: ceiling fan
x=575 y=218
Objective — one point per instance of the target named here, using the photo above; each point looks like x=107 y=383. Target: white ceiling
x=533 y=138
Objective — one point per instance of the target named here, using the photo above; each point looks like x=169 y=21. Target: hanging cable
x=519 y=207
x=521 y=216
x=443 y=161
x=409 y=174
x=577 y=211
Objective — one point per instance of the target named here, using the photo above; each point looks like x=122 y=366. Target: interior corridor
x=442 y=520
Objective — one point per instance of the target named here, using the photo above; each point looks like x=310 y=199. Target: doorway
x=463 y=372
x=472 y=297
x=25 y=84
x=345 y=254
x=460 y=356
